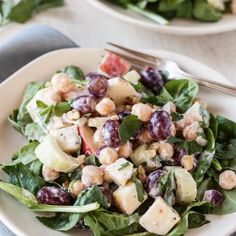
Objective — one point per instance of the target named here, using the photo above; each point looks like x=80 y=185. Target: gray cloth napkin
x=26 y=45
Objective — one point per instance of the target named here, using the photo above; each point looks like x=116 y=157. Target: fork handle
x=215 y=86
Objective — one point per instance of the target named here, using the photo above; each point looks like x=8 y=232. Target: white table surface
x=89 y=27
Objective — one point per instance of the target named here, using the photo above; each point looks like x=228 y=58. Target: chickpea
x=202 y=103
x=190 y=132
x=92 y=175
x=55 y=96
x=145 y=137
x=98 y=137
x=173 y=130
x=166 y=150
x=141 y=174
x=61 y=83
x=143 y=111
x=75 y=188
x=105 y=107
x=227 y=180
x=49 y=174
x=169 y=107
x=155 y=146
x=187 y=162
x=108 y=156
x=125 y=150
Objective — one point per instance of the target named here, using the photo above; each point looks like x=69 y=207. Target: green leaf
x=103 y=223
x=30 y=91
x=34 y=132
x=204 y=11
x=20 y=175
x=20 y=194
x=13 y=120
x=25 y=155
x=17 y=10
x=61 y=222
x=61 y=108
x=191 y=147
x=91 y=160
x=196 y=220
x=75 y=73
x=90 y=195
x=228 y=205
x=183 y=92
x=139 y=189
x=129 y=128
x=29 y=200
x=206 y=158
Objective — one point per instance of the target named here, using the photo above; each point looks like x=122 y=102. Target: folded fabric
x=26 y=45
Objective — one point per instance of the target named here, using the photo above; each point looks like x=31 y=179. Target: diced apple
x=126 y=198
x=186 y=191
x=160 y=218
x=68 y=138
x=51 y=155
x=120 y=171
x=119 y=90
x=97 y=122
x=46 y=96
x=132 y=76
x=88 y=146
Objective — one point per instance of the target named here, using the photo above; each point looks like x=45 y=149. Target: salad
x=121 y=152
x=162 y=11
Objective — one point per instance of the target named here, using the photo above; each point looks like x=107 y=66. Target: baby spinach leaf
x=20 y=194
x=228 y=205
x=20 y=175
x=75 y=73
x=34 y=132
x=129 y=128
x=103 y=223
x=90 y=195
x=14 y=122
x=91 y=160
x=191 y=147
x=204 y=11
x=183 y=92
x=23 y=117
x=28 y=199
x=206 y=158
x=25 y=155
x=61 y=222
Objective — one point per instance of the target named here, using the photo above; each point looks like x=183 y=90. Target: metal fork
x=139 y=59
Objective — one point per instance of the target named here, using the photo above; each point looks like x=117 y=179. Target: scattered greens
x=129 y=128
x=162 y=11
x=22 y=10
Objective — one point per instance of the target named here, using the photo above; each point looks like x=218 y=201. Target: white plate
x=177 y=26
x=20 y=220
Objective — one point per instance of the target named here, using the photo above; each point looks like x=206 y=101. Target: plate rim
x=172 y=30
x=6 y=221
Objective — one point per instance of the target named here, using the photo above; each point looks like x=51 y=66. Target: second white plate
x=177 y=27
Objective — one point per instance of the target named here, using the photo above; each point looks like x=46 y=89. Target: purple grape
x=123 y=114
x=110 y=133
x=84 y=104
x=213 y=196
x=152 y=79
x=98 y=84
x=159 y=126
x=178 y=154
x=53 y=196
x=152 y=181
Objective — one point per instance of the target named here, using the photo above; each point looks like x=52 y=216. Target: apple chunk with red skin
x=88 y=146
